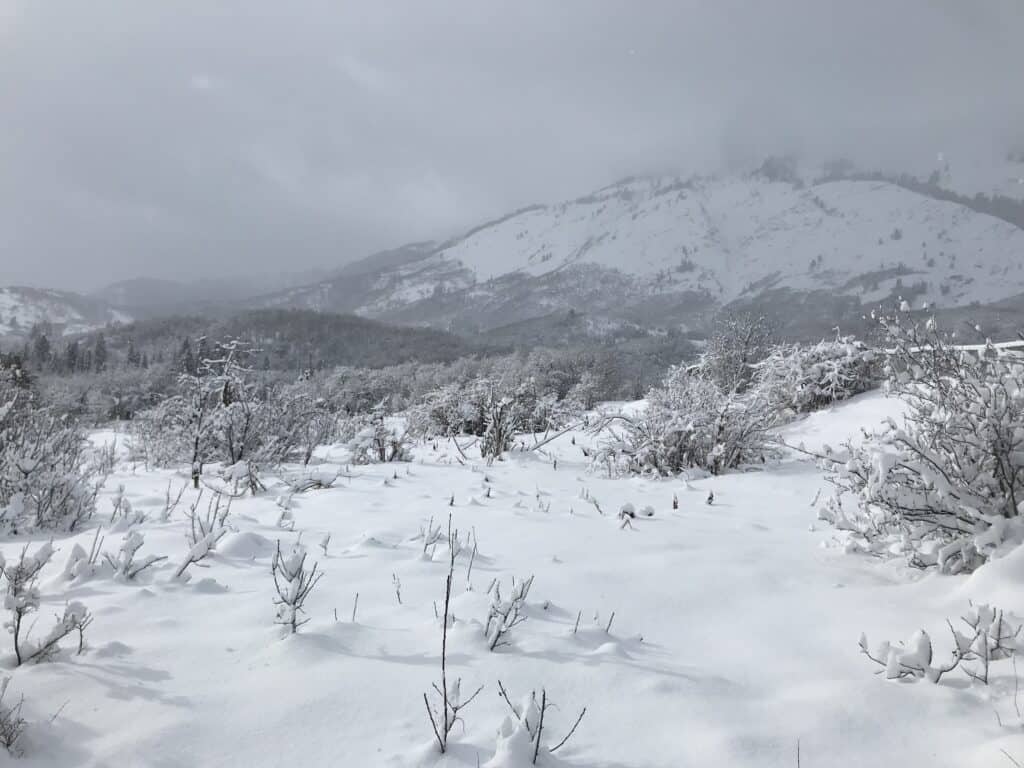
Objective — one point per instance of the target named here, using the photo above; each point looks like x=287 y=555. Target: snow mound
x=245 y=545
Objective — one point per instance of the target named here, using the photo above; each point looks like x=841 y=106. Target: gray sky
x=172 y=139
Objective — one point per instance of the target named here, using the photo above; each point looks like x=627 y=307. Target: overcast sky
x=172 y=139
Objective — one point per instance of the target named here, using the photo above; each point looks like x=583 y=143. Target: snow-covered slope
x=735 y=237
x=643 y=245
x=66 y=313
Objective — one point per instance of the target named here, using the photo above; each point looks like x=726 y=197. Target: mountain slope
x=67 y=313
x=666 y=251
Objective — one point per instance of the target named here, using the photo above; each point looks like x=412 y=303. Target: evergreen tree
x=41 y=350
x=203 y=353
x=99 y=354
x=186 y=360
x=133 y=359
x=71 y=355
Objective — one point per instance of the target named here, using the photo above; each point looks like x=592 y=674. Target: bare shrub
x=446 y=712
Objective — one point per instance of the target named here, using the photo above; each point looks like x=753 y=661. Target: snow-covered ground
x=734 y=635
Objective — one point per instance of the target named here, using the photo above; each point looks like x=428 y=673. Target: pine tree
x=41 y=349
x=186 y=359
x=133 y=358
x=99 y=354
x=71 y=355
x=203 y=352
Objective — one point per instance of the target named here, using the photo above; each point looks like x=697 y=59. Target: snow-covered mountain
x=66 y=313
x=664 y=251
x=649 y=255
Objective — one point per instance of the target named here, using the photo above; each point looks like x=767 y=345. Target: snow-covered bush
x=205 y=530
x=293 y=583
x=800 y=378
x=12 y=724
x=946 y=483
x=22 y=599
x=689 y=423
x=739 y=342
x=523 y=735
x=46 y=480
x=124 y=564
x=989 y=637
x=378 y=440
x=495 y=410
x=222 y=412
x=504 y=614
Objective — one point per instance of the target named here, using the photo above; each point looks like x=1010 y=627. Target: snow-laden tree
x=797 y=378
x=689 y=422
x=944 y=484
x=738 y=343
x=46 y=479
x=224 y=412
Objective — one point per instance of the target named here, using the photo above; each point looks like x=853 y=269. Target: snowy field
x=734 y=635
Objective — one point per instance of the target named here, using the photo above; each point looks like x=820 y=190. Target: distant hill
x=64 y=312
x=154 y=297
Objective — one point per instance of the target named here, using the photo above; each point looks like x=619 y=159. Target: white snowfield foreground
x=734 y=635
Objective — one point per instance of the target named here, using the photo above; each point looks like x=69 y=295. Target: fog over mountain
x=177 y=140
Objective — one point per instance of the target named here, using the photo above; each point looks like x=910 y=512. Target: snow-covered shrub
x=946 y=483
x=224 y=413
x=506 y=614
x=12 y=724
x=46 y=480
x=800 y=378
x=739 y=342
x=293 y=583
x=203 y=525
x=205 y=530
x=689 y=423
x=124 y=564
x=379 y=440
x=988 y=637
x=496 y=410
x=523 y=735
x=22 y=599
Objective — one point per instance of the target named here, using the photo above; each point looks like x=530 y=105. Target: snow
x=739 y=235
x=735 y=628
